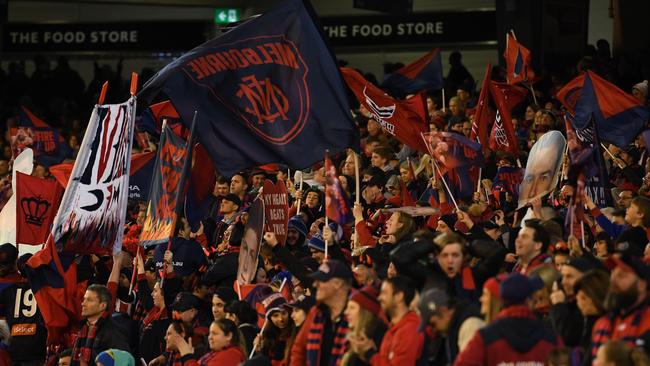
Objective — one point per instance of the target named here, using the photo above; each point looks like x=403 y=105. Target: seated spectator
x=226 y=346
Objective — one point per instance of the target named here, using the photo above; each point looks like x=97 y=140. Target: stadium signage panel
x=82 y=37
x=472 y=27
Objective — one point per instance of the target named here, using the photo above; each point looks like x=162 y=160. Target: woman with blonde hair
x=490 y=300
x=541 y=298
x=366 y=320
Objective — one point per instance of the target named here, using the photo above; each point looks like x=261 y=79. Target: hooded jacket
x=516 y=337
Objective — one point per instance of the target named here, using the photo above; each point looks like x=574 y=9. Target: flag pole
x=610 y=154
x=300 y=189
x=445 y=183
x=266 y=320
x=102 y=94
x=444 y=102
x=357 y=198
x=135 y=270
x=326 y=217
x=480 y=170
x=356 y=178
x=134 y=84
x=238 y=289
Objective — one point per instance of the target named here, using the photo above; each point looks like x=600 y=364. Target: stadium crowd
x=480 y=283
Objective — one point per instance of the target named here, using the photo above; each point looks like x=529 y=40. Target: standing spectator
x=402 y=343
x=454 y=321
x=98 y=332
x=590 y=290
x=458 y=74
x=503 y=341
x=628 y=317
x=322 y=339
x=530 y=247
x=565 y=315
x=367 y=321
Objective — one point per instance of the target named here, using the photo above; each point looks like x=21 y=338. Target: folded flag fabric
x=618 y=116
x=424 y=73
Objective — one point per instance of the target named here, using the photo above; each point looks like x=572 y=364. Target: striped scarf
x=83 y=346
x=173 y=358
x=315 y=338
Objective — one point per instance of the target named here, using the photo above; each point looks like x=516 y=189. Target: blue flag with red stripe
x=618 y=116
x=424 y=73
x=49 y=146
x=267 y=91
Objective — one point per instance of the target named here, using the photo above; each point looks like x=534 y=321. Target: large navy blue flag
x=267 y=91
x=424 y=73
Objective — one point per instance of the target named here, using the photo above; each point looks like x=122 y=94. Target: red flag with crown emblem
x=37 y=201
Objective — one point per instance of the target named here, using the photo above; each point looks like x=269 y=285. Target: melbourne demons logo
x=262 y=80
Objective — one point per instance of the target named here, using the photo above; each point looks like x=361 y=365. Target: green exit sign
x=226 y=15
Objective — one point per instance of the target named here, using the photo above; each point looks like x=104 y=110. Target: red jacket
x=230 y=356
x=629 y=328
x=402 y=343
x=516 y=337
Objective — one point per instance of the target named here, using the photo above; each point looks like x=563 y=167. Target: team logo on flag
x=499 y=133
x=381 y=114
x=275 y=105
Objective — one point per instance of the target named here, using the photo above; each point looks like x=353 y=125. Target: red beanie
x=493 y=284
x=367 y=299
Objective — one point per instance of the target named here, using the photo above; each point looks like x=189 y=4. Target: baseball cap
x=581 y=264
x=332 y=268
x=184 y=301
x=303 y=303
x=516 y=288
x=430 y=302
x=628 y=263
x=233 y=198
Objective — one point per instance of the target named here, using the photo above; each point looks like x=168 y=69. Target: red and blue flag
x=424 y=73
x=405 y=119
x=337 y=205
x=32 y=132
x=167 y=192
x=267 y=91
x=618 y=116
x=517 y=61
x=455 y=155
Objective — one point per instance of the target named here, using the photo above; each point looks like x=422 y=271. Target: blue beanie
x=115 y=357
x=317 y=242
x=298 y=224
